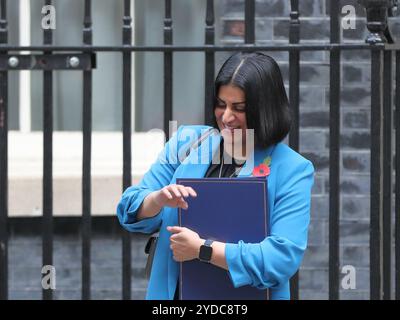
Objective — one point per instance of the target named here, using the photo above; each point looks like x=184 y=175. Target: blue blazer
x=268 y=264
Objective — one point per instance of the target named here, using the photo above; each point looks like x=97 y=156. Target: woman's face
x=230 y=113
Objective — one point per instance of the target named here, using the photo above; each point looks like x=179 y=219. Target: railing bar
x=47 y=233
x=334 y=153
x=3 y=14
x=127 y=134
x=170 y=48
x=387 y=174
x=3 y=160
x=86 y=161
x=397 y=179
x=168 y=40
x=209 y=64
x=249 y=20
x=376 y=175
x=3 y=185
x=294 y=94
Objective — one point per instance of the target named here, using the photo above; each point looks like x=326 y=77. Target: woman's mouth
x=225 y=127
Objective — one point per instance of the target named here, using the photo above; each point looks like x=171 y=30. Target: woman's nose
x=227 y=116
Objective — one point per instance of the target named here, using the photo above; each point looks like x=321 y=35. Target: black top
x=228 y=170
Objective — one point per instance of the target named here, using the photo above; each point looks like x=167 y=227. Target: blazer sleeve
x=159 y=175
x=273 y=261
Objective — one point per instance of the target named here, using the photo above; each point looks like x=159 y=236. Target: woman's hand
x=173 y=196
x=184 y=243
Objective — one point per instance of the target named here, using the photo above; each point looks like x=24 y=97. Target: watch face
x=205 y=253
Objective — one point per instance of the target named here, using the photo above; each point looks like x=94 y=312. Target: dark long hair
x=267 y=105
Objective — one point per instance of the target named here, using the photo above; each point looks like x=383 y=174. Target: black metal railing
x=3 y=161
x=382 y=49
x=127 y=160
x=86 y=158
x=334 y=152
x=294 y=95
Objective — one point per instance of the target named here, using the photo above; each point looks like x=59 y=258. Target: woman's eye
x=240 y=109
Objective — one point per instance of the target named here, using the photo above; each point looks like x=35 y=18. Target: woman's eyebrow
x=232 y=103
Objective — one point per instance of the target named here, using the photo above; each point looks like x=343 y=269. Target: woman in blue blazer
x=251 y=118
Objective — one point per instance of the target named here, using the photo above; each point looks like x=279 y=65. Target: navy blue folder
x=226 y=210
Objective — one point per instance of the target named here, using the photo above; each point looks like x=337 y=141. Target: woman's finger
x=191 y=191
x=167 y=193
x=183 y=204
x=175 y=236
x=182 y=190
x=175 y=190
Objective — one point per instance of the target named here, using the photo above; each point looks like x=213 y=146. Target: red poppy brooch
x=263 y=170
